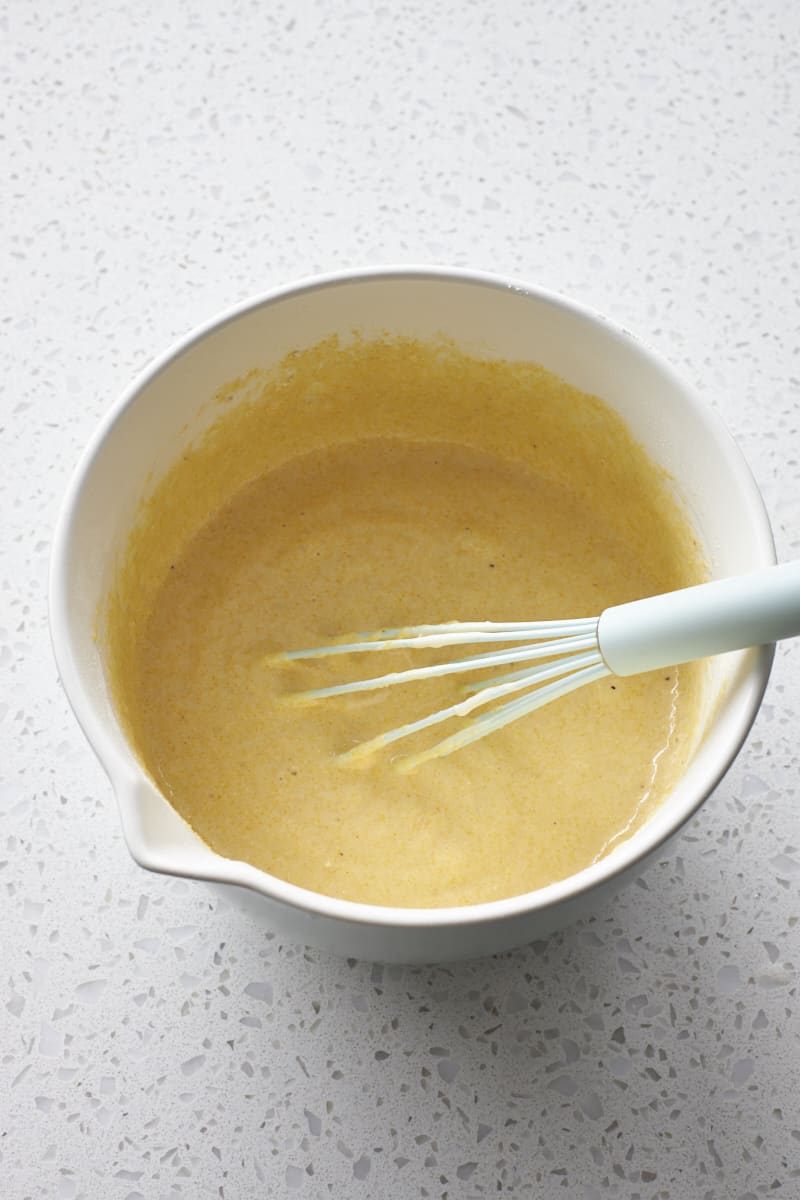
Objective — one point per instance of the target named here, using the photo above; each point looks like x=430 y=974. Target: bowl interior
x=171 y=405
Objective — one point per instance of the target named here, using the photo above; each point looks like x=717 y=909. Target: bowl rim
x=127 y=775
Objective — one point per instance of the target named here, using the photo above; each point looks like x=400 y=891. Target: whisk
x=628 y=639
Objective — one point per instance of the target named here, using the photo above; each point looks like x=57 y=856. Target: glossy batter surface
x=409 y=483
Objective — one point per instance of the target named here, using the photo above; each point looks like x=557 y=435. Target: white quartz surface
x=162 y=160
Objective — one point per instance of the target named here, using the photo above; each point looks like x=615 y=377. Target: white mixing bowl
x=150 y=424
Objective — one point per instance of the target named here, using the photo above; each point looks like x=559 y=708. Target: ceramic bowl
x=164 y=409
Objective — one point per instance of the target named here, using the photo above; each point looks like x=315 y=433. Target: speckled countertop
x=164 y=160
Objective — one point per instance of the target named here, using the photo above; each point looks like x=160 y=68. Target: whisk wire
x=453 y=633
x=490 y=722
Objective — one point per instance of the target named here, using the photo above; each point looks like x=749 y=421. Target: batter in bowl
x=383 y=483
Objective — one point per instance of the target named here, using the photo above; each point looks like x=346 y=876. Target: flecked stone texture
x=164 y=160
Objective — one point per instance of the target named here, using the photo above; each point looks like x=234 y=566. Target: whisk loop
x=627 y=639
x=474 y=662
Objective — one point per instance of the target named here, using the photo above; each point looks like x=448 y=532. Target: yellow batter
x=388 y=483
